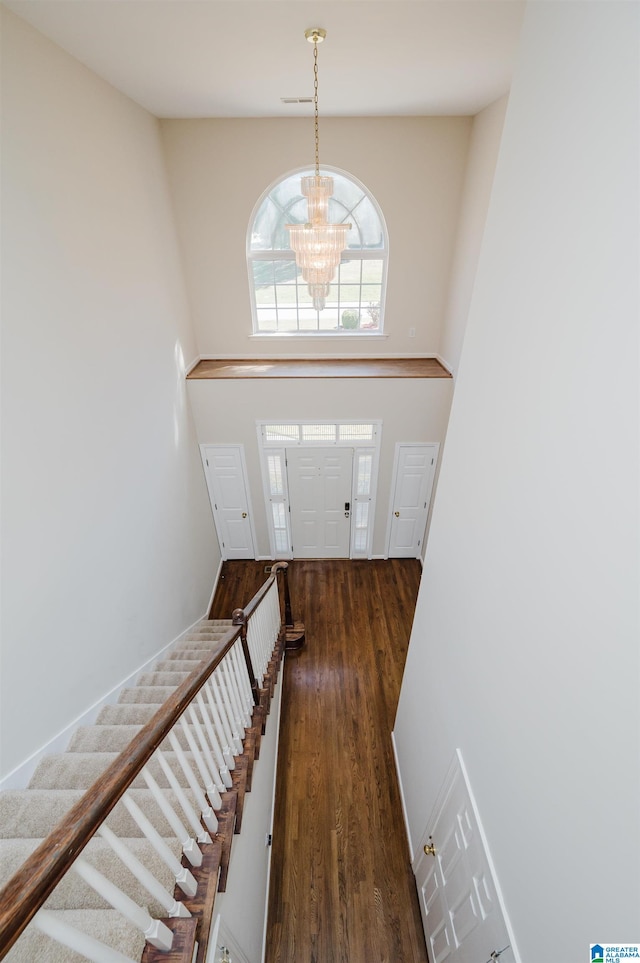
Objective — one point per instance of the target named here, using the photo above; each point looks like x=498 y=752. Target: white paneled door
x=320 y=499
x=413 y=482
x=461 y=912
x=228 y=491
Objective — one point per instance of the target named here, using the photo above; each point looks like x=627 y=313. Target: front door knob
x=397 y=514
x=244 y=514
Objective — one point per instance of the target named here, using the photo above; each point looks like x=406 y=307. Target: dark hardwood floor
x=342 y=890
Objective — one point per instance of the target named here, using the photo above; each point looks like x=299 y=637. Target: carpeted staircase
x=29 y=815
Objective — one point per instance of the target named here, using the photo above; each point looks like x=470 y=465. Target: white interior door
x=320 y=499
x=462 y=916
x=228 y=491
x=413 y=473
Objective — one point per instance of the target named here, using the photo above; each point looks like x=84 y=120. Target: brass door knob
x=430 y=850
x=244 y=514
x=397 y=514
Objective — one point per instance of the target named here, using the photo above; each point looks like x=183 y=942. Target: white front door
x=228 y=492
x=461 y=913
x=320 y=500
x=413 y=482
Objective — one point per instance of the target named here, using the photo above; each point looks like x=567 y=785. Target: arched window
x=280 y=301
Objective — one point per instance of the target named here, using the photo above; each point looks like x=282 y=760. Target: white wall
x=486 y=134
x=412 y=410
x=524 y=651
x=243 y=907
x=108 y=545
x=414 y=166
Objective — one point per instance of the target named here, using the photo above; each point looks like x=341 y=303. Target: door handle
x=346 y=514
x=244 y=514
x=397 y=514
x=431 y=849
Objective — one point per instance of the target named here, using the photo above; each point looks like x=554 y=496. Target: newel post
x=294 y=632
x=238 y=617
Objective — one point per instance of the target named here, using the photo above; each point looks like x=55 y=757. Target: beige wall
x=412 y=410
x=107 y=540
x=486 y=135
x=524 y=650
x=414 y=167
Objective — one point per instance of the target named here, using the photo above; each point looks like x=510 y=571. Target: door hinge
x=268 y=839
x=432 y=460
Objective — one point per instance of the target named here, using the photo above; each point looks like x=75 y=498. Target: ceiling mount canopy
x=318 y=244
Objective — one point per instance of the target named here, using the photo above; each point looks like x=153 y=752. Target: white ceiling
x=237 y=58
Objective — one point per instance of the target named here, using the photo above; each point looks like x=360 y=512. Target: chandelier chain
x=315 y=105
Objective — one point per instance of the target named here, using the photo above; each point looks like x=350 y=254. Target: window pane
x=282 y=433
x=363 y=480
x=263 y=276
x=372 y=271
x=281 y=540
x=328 y=319
x=276 y=481
x=318 y=432
x=357 y=433
x=278 y=514
x=266 y=319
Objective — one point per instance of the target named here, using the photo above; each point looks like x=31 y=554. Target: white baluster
x=172 y=906
x=221 y=724
x=238 y=714
x=236 y=694
x=206 y=811
x=236 y=722
x=207 y=777
x=234 y=740
x=184 y=878
x=202 y=836
x=155 y=931
x=52 y=925
x=189 y=846
x=221 y=770
x=256 y=646
x=242 y=675
x=213 y=734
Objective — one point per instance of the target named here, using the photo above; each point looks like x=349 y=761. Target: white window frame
x=278 y=448
x=355 y=254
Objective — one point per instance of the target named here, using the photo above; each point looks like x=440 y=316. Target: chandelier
x=317 y=243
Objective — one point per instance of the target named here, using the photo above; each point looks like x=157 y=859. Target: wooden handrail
x=26 y=891
x=284 y=568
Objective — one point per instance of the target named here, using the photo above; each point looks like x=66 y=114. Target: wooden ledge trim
x=219 y=369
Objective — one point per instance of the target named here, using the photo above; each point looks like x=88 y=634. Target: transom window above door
x=280 y=301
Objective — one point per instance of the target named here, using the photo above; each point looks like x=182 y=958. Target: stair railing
x=203 y=723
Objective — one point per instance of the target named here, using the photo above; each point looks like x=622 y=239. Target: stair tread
x=106 y=926
x=79 y=770
x=73 y=893
x=132 y=713
x=143 y=694
x=162 y=678
x=36 y=812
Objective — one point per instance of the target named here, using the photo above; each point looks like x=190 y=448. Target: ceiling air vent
x=296 y=100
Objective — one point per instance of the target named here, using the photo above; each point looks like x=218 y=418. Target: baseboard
x=19 y=777
x=402 y=799
x=189 y=368
x=445 y=364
